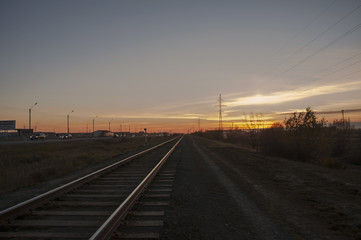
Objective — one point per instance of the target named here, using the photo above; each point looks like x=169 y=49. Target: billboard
x=7 y=125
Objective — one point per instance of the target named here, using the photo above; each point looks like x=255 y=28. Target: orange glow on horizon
x=84 y=124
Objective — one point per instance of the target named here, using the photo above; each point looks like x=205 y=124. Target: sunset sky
x=163 y=64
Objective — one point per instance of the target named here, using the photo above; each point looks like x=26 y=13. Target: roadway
x=47 y=140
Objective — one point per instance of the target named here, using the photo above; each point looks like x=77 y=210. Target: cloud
x=293 y=95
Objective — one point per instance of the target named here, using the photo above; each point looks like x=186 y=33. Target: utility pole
x=343 y=115
x=30 y=115
x=67 y=121
x=343 y=118
x=145 y=137
x=109 y=125
x=220 y=127
x=93 y=124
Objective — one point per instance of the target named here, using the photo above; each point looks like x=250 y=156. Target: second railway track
x=91 y=207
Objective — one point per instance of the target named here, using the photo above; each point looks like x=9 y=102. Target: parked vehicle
x=65 y=136
x=38 y=136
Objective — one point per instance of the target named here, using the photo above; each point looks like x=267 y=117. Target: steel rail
x=113 y=222
x=18 y=209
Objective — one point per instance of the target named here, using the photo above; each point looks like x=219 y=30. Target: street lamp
x=30 y=115
x=145 y=137
x=93 y=124
x=67 y=121
x=109 y=125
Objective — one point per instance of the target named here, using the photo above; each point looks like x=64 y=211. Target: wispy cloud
x=295 y=94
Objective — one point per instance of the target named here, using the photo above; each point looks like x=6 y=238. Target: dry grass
x=239 y=146
x=28 y=164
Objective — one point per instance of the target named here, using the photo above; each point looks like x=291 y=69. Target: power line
x=338 y=63
x=338 y=70
x=295 y=36
x=319 y=50
x=347 y=66
x=329 y=112
x=347 y=75
x=315 y=53
x=324 y=31
x=273 y=116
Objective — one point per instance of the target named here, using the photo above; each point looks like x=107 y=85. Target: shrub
x=305 y=134
x=272 y=140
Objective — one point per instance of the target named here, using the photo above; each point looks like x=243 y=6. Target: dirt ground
x=222 y=191
x=225 y=192
x=9 y=199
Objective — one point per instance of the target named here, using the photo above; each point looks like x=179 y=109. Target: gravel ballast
x=224 y=192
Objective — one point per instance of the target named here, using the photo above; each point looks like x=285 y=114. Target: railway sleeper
x=78 y=215
x=146 y=219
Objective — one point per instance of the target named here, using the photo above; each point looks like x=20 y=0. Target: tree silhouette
x=305 y=135
x=304 y=120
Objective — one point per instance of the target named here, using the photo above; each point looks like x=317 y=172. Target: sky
x=162 y=64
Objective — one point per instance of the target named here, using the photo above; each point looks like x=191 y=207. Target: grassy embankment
x=302 y=136
x=328 y=147
x=28 y=164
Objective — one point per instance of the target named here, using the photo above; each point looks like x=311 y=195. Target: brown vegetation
x=28 y=164
x=303 y=137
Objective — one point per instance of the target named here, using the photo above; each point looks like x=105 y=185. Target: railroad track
x=96 y=205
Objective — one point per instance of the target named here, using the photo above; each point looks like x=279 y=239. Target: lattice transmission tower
x=220 y=125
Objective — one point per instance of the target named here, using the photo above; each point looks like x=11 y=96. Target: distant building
x=7 y=125
x=25 y=132
x=102 y=133
x=7 y=128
